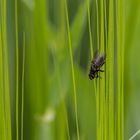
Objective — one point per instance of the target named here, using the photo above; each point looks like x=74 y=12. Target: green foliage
x=46 y=48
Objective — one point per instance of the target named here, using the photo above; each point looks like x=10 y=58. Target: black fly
x=96 y=64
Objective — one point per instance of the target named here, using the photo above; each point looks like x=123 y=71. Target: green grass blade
x=97 y=20
x=91 y=56
x=110 y=54
x=17 y=71
x=22 y=104
x=97 y=91
x=90 y=33
x=72 y=69
x=2 y=116
x=102 y=80
x=106 y=77
x=120 y=17
x=7 y=110
x=123 y=8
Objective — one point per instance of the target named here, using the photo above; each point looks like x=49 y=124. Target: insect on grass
x=97 y=62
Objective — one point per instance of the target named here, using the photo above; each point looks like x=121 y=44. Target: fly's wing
x=99 y=60
x=96 y=55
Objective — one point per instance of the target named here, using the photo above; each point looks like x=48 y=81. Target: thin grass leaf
x=17 y=71
x=102 y=81
x=23 y=80
x=106 y=77
x=89 y=27
x=40 y=57
x=7 y=111
x=91 y=55
x=110 y=62
x=120 y=72
x=97 y=96
x=134 y=135
x=118 y=123
x=120 y=63
x=2 y=116
x=123 y=9
x=72 y=69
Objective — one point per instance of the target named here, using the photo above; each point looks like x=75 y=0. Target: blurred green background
x=37 y=97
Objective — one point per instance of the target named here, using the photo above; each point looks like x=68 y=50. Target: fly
x=96 y=64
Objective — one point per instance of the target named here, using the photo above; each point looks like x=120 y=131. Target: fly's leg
x=102 y=63
x=97 y=76
x=100 y=70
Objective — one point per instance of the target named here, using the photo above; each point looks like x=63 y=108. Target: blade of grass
x=97 y=20
x=40 y=52
x=118 y=123
x=89 y=28
x=134 y=135
x=102 y=80
x=72 y=69
x=2 y=116
x=17 y=71
x=120 y=17
x=22 y=105
x=122 y=78
x=111 y=69
x=7 y=110
x=91 y=55
x=106 y=84
x=106 y=76
x=97 y=91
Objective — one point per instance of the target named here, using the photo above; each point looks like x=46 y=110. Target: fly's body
x=96 y=64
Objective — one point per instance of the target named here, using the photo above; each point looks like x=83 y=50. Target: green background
x=46 y=49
